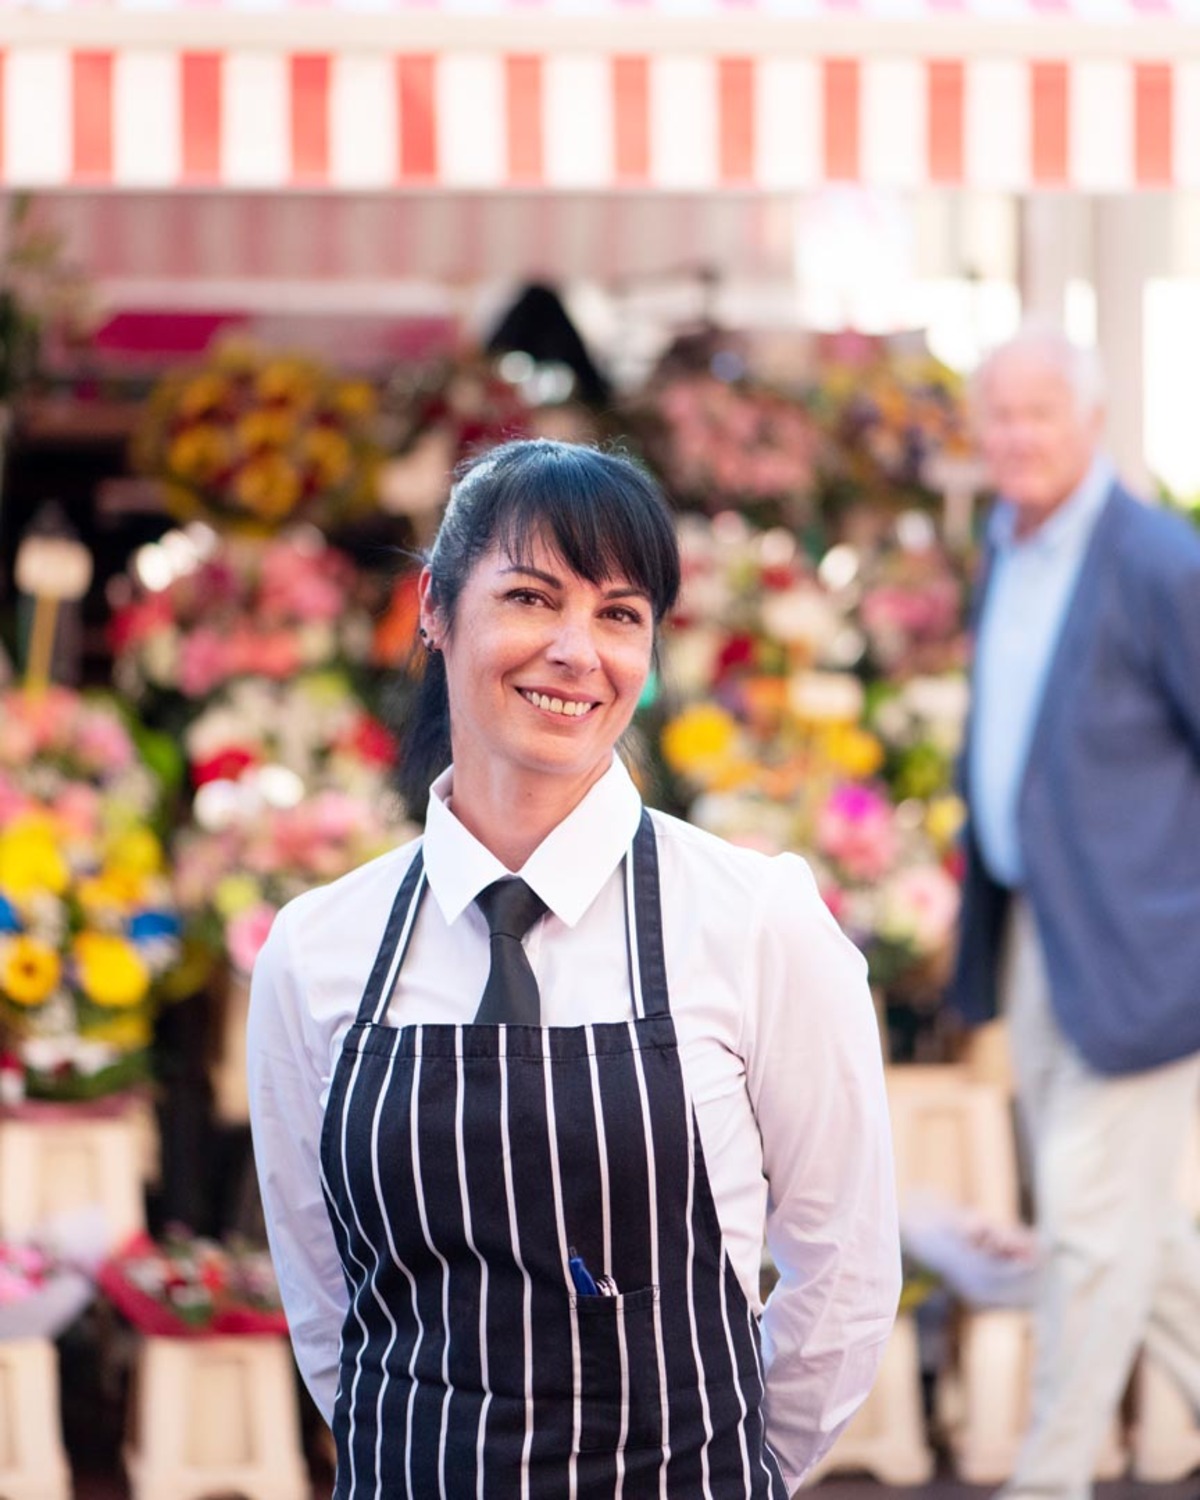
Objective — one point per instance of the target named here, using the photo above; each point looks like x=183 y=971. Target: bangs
x=599 y=512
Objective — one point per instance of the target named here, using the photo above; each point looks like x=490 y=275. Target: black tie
x=510 y=996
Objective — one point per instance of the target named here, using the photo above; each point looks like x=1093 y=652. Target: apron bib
x=462 y=1167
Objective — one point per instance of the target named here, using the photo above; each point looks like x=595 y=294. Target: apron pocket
x=618 y=1362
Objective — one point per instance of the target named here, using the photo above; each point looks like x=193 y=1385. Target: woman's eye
x=625 y=615
x=526 y=596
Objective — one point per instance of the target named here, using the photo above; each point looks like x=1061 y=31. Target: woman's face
x=544 y=669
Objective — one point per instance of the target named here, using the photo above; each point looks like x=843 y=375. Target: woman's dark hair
x=601 y=512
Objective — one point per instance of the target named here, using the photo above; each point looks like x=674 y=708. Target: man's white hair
x=1079 y=367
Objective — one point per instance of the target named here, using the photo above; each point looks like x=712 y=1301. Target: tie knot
x=510 y=907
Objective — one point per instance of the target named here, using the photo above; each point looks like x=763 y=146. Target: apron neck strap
x=396 y=938
x=643 y=924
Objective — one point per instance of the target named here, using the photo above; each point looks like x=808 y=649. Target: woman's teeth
x=571 y=710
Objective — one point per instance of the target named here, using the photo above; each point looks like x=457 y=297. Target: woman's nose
x=573 y=645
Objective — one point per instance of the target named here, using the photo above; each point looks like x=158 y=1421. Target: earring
x=425 y=641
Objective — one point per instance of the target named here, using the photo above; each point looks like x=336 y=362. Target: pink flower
x=103 y=741
x=920 y=906
x=204 y=662
x=856 y=828
x=77 y=809
x=246 y=934
x=13 y=802
x=300 y=585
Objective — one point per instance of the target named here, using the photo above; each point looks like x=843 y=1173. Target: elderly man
x=1081 y=919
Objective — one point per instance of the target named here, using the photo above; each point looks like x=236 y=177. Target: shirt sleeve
x=815 y=1075
x=285 y=1119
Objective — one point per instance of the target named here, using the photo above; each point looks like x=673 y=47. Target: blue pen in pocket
x=581 y=1276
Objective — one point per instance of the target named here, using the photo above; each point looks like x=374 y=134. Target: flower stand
x=33 y=1462
x=58 y=1158
x=214 y=1416
x=887 y=1436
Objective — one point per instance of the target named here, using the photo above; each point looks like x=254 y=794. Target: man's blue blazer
x=1109 y=807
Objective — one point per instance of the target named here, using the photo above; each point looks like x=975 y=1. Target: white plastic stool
x=886 y=1437
x=986 y=1408
x=214 y=1417
x=54 y=1165
x=33 y=1463
x=1166 y=1437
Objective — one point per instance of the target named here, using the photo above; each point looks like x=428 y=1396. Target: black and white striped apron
x=461 y=1166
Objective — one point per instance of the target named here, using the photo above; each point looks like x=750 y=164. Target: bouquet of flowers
x=313 y=728
x=719 y=444
x=751 y=611
x=291 y=791
x=912 y=611
x=886 y=413
x=74 y=751
x=234 y=874
x=777 y=745
x=88 y=928
x=221 y=610
x=252 y=440
x=187 y=1286
x=40 y=1295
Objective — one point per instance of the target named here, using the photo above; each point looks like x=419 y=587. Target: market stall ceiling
x=607 y=95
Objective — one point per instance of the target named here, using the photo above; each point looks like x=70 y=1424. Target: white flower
x=826 y=696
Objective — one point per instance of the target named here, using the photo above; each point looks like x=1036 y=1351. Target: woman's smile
x=559 y=705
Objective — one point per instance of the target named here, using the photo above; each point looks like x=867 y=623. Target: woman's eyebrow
x=626 y=592
x=549 y=578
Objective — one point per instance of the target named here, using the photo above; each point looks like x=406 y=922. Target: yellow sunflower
x=700 y=740
x=29 y=970
x=31 y=860
x=135 y=850
x=199 y=453
x=268 y=487
x=111 y=971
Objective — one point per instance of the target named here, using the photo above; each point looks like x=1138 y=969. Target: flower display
x=291 y=791
x=887 y=413
x=307 y=733
x=718 y=444
x=74 y=751
x=252 y=440
x=184 y=1286
x=233 y=875
x=88 y=927
x=782 y=739
x=212 y=610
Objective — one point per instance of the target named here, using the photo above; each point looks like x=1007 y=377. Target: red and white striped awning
x=587 y=95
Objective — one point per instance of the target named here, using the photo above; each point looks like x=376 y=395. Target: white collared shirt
x=778 y=1043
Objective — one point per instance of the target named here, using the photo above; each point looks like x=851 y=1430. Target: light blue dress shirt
x=1028 y=595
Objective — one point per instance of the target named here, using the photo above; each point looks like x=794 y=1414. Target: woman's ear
x=429 y=619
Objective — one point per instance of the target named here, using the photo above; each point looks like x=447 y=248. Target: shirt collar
x=1069 y=523
x=567 y=869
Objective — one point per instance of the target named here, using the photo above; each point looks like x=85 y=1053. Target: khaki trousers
x=1122 y=1257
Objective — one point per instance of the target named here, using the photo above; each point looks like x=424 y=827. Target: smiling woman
x=519 y=1144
